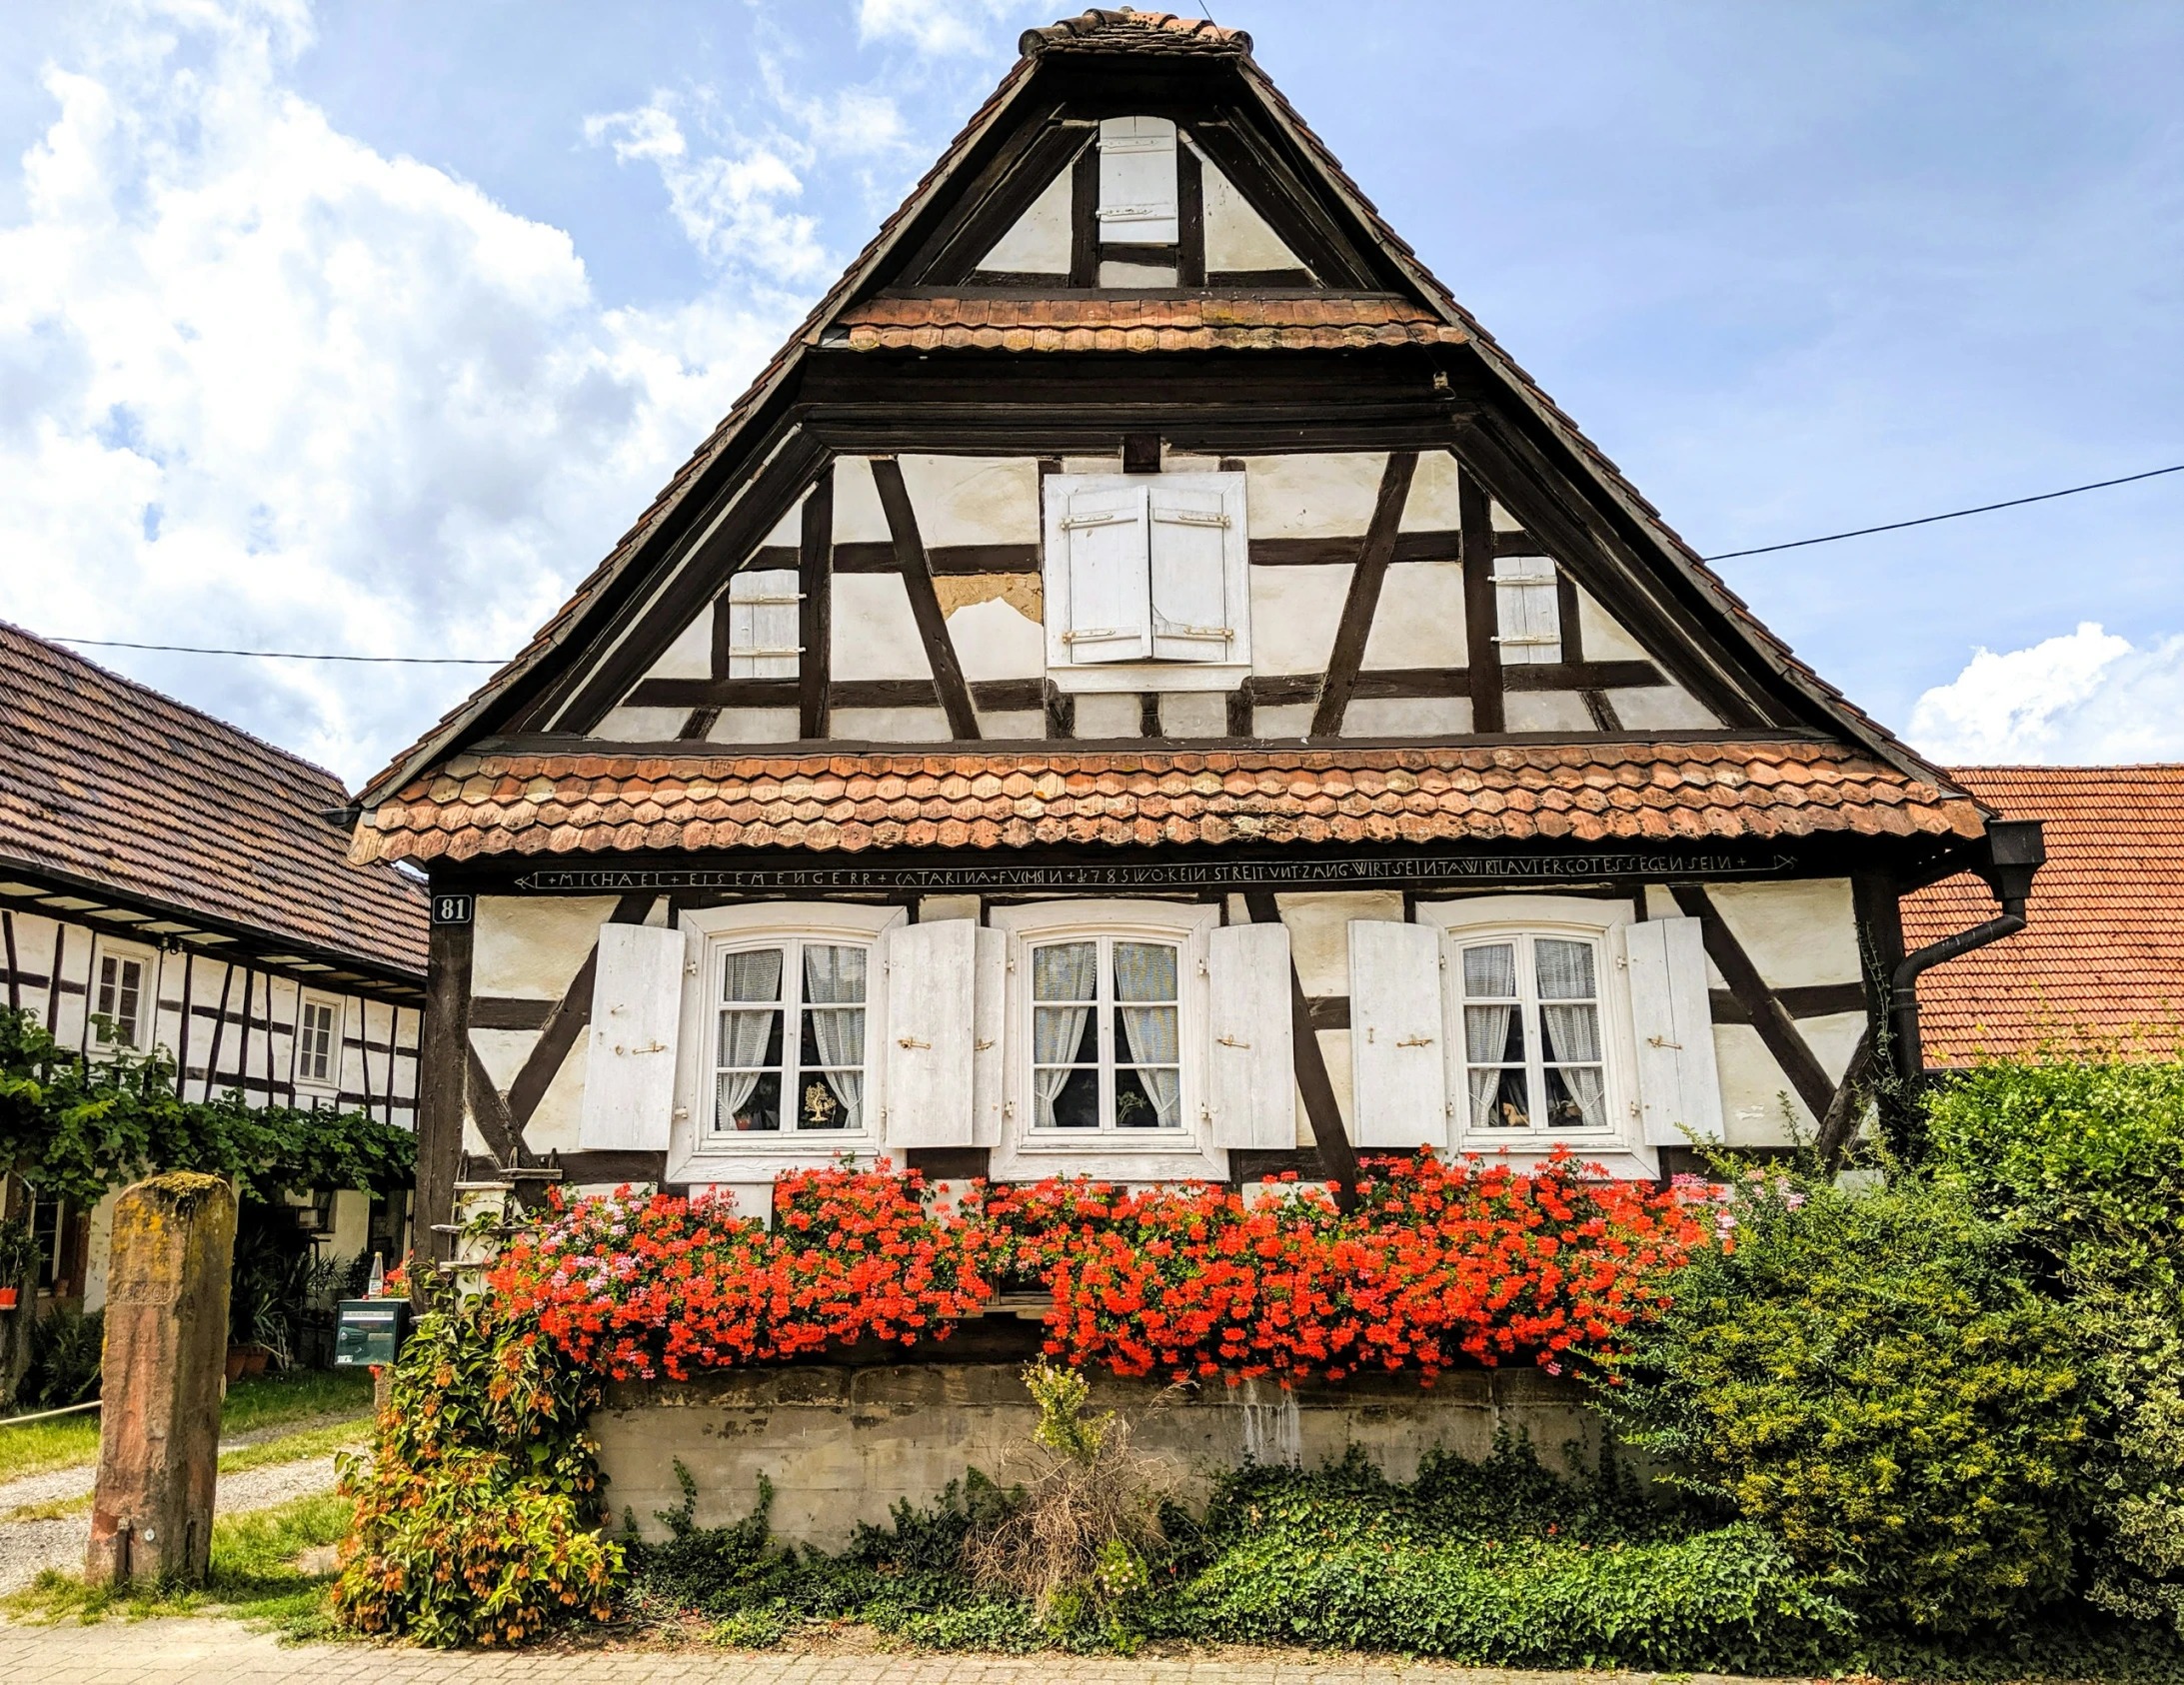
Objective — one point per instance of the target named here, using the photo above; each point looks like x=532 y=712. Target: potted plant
x=18 y=1259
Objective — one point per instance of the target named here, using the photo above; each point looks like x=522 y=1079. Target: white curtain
x=750 y=977
x=1489 y=973
x=1145 y=972
x=1067 y=972
x=834 y=979
x=1571 y=1034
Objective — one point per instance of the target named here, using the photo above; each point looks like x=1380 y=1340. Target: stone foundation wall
x=841 y=1442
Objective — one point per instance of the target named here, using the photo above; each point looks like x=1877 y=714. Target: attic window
x=763 y=624
x=1525 y=597
x=1138 y=196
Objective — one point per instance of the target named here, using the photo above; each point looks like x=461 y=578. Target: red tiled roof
x=1327 y=323
x=111 y=783
x=1107 y=29
x=2102 y=957
x=568 y=803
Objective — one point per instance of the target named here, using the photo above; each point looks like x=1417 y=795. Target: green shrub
x=477 y=1506
x=2082 y=1164
x=1869 y=1377
x=67 y=1358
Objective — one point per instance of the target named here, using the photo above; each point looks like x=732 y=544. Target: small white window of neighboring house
x=1529 y=610
x=318 y=1042
x=1147 y=581
x=121 y=993
x=764 y=623
x=1139 y=204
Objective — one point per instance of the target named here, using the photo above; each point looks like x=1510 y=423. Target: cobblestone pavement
x=167 y=1652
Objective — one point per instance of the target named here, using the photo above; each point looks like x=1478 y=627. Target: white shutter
x=931 y=1032
x=1678 y=1087
x=1528 y=610
x=1137 y=202
x=1398 y=1076
x=1195 y=526
x=763 y=624
x=990 y=1018
x=1254 y=1050
x=1104 y=545
x=637 y=1012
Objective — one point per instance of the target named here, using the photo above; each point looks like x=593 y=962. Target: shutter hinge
x=690 y=968
x=680 y=1112
x=913 y=1041
x=1230 y=1041
x=1663 y=1042
x=1416 y=1041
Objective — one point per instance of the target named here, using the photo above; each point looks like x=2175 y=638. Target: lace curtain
x=834 y=980
x=1065 y=971
x=751 y=976
x=1569 y=1034
x=1145 y=972
x=1489 y=972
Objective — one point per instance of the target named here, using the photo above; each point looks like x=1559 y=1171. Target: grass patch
x=294 y=1447
x=254 y=1576
x=251 y=1406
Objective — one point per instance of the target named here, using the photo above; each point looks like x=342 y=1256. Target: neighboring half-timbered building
x=1143 y=684
x=169 y=882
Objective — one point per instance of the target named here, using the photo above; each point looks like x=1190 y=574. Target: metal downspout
x=2015 y=852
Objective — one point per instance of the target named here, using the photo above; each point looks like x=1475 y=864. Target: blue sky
x=369 y=326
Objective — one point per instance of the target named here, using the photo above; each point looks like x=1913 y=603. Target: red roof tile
x=2101 y=958
x=109 y=783
x=1325 y=323
x=1015 y=799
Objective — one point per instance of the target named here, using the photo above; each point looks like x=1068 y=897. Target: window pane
x=754 y=976
x=1068 y=1100
x=1498 y=1100
x=1065 y=971
x=1145 y=972
x=1064 y=1035
x=1577 y=1097
x=832 y=1057
x=1147 y=1099
x=1565 y=969
x=1569 y=1034
x=749 y=1100
x=1493 y=1034
x=1489 y=973
x=834 y=976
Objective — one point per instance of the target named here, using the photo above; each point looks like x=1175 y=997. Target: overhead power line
x=1953 y=515
x=1725 y=556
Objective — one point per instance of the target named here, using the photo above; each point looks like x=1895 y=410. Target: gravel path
x=75 y=1482
x=28 y=1546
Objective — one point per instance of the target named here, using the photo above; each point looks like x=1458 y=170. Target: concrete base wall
x=841 y=1442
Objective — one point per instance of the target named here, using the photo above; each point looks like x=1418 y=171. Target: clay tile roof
x=1109 y=30
x=1097 y=324
x=116 y=787
x=2101 y=958
x=1006 y=798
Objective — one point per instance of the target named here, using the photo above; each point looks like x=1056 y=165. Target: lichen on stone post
x=166 y=1349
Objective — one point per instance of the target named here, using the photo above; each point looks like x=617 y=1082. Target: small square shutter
x=1190 y=530
x=931 y=1033
x=1254 y=1050
x=1398 y=1074
x=1110 y=611
x=1678 y=1085
x=1138 y=199
x=636 y=1014
x=763 y=624
x=1528 y=611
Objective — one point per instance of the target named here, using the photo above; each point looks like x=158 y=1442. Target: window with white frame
x=1106 y=1030
x=122 y=985
x=1534 y=1058
x=1146 y=575
x=788 y=1046
x=318 y=1042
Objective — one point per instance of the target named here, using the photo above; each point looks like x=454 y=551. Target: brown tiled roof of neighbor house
x=1209 y=324
x=1117 y=31
x=2100 y=961
x=109 y=784
x=495 y=804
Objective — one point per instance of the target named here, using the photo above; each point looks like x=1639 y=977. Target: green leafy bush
x=478 y=1504
x=1869 y=1377
x=2082 y=1166
x=67 y=1358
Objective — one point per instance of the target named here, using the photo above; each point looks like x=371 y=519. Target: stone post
x=166 y=1350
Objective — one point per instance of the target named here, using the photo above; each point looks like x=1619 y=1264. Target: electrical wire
x=1953 y=515
x=1725 y=556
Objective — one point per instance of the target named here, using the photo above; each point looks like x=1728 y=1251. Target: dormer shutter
x=1190 y=534
x=1138 y=200
x=1104 y=535
x=1529 y=615
x=763 y=624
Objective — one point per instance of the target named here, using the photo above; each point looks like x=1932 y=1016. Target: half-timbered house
x=1143 y=683
x=170 y=881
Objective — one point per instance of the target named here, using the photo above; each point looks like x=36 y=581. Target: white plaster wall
x=1419 y=620
x=859 y=519
x=1304 y=497
x=1407 y=717
x=1283 y=719
x=875 y=634
x=1754 y=1089
x=1237 y=237
x=1012 y=723
x=352 y=1223
x=889 y=725
x=1194 y=713
x=1664 y=708
x=640 y=724
x=554 y=1124
x=1108 y=714
x=501 y=1052
x=1800 y=933
x=1604 y=636
x=1113 y=274
x=993 y=641
x=1294 y=612
x=753 y=725
x=974 y=500
x=530 y=947
x=691 y=654
x=1319 y=925
x=1545 y=710
x=98 y=1254
x=1432 y=505
x=1334 y=1052
x=1037 y=243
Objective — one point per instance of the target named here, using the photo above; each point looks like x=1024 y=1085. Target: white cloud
x=938 y=29
x=262 y=385
x=2087 y=697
